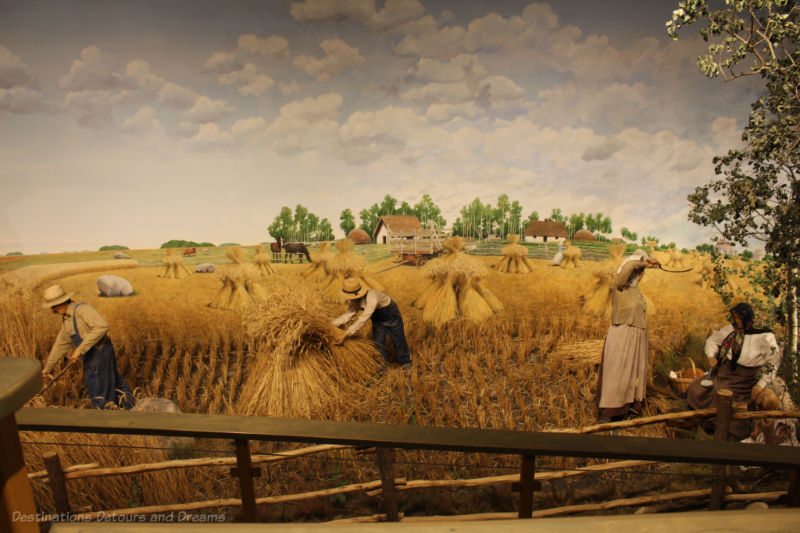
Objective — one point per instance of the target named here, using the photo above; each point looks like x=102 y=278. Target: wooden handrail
x=408 y=437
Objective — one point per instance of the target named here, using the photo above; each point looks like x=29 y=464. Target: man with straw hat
x=385 y=316
x=83 y=331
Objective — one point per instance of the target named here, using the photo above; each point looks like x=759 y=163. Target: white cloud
x=602 y=151
x=440 y=113
x=20 y=100
x=254 y=83
x=222 y=62
x=616 y=105
x=140 y=75
x=208 y=136
x=333 y=10
x=726 y=135
x=439 y=93
x=94 y=71
x=177 y=96
x=144 y=123
x=395 y=13
x=423 y=38
x=274 y=46
x=338 y=56
x=248 y=128
x=369 y=136
x=462 y=67
x=92 y=108
x=207 y=110
x=306 y=124
x=13 y=71
x=288 y=88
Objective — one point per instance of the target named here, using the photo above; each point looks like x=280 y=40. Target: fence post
x=526 y=486
x=385 y=459
x=245 y=471
x=58 y=485
x=20 y=380
x=794 y=488
x=722 y=425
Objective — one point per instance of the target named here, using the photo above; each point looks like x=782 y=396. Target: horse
x=290 y=247
x=188 y=252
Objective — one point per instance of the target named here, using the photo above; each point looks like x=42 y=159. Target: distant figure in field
x=622 y=382
x=559 y=254
x=83 y=331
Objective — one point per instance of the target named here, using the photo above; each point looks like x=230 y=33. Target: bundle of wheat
x=675 y=259
x=316 y=270
x=173 y=266
x=240 y=282
x=455 y=288
x=572 y=257
x=615 y=251
x=297 y=371
x=515 y=258
x=343 y=265
x=576 y=355
x=262 y=261
x=597 y=298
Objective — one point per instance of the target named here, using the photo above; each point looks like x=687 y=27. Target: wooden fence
x=383 y=439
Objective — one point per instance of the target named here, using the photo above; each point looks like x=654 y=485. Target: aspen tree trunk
x=791 y=323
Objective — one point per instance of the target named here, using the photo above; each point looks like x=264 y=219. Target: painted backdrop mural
x=138 y=122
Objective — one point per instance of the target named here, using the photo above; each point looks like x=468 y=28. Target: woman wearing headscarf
x=622 y=382
x=744 y=359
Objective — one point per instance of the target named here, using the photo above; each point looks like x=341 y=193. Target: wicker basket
x=685 y=376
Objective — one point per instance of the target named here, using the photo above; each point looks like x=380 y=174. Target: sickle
x=675 y=271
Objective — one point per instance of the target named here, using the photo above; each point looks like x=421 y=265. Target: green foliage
x=757 y=193
x=300 y=225
x=13 y=253
x=179 y=243
x=229 y=244
x=347 y=222
x=705 y=247
x=533 y=216
x=113 y=247
x=747 y=255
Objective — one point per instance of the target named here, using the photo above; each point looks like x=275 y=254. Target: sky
x=135 y=122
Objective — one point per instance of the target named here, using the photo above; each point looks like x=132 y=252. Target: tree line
x=477 y=219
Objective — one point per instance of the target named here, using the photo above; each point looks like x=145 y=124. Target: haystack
x=263 y=262
x=597 y=298
x=515 y=258
x=572 y=257
x=296 y=370
x=173 y=266
x=676 y=259
x=359 y=236
x=616 y=252
x=240 y=283
x=316 y=270
x=455 y=289
x=343 y=265
x=583 y=235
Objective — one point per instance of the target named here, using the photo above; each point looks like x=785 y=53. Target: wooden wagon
x=418 y=246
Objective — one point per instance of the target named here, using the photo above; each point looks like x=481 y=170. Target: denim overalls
x=103 y=382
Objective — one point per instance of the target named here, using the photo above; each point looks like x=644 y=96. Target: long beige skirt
x=623 y=371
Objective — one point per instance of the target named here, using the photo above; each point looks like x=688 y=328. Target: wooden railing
x=385 y=438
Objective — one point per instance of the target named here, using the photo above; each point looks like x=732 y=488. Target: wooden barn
x=545 y=230
x=395 y=225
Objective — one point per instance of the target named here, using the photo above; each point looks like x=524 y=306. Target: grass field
x=526 y=368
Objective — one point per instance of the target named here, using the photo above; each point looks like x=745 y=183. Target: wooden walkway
x=773 y=521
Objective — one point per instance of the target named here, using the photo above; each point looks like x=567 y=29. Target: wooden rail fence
x=630 y=451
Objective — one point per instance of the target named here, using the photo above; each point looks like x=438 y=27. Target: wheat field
x=511 y=371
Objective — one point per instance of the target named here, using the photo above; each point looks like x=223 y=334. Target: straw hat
x=352 y=289
x=55 y=295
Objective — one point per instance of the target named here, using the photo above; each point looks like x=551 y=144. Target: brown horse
x=291 y=248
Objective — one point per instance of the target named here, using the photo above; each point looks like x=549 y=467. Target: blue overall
x=388 y=321
x=103 y=383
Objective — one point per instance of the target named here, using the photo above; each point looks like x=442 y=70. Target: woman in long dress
x=744 y=359
x=622 y=382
